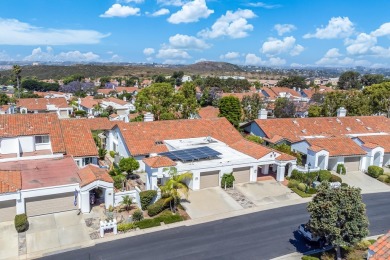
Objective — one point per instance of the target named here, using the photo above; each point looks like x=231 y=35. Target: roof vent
x=369 y=128
x=357 y=119
x=304 y=131
x=159 y=142
x=348 y=129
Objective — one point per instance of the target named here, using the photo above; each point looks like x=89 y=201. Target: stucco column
x=109 y=197
x=20 y=206
x=265 y=169
x=280 y=173
x=84 y=201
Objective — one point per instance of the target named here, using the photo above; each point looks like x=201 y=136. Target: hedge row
x=152 y=222
x=301 y=193
x=147 y=197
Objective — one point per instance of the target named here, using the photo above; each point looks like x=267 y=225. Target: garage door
x=50 y=204
x=209 y=179
x=352 y=163
x=7 y=210
x=241 y=174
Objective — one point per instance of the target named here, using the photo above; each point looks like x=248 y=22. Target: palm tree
x=173 y=189
x=127 y=201
x=17 y=70
x=98 y=108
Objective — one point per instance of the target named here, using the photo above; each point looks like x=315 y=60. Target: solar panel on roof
x=191 y=154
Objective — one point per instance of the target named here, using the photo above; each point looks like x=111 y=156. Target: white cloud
x=172 y=54
x=14 y=32
x=148 y=51
x=263 y=5
x=200 y=60
x=381 y=52
x=38 y=54
x=338 y=27
x=276 y=46
x=161 y=12
x=232 y=24
x=116 y=57
x=252 y=59
x=4 y=56
x=333 y=53
x=361 y=45
x=173 y=61
x=149 y=59
x=118 y=10
x=180 y=41
x=383 y=30
x=171 y=2
x=191 y=12
x=284 y=28
x=333 y=58
x=275 y=61
x=230 y=56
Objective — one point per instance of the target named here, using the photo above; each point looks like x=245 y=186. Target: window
x=42 y=139
x=87 y=160
x=114 y=147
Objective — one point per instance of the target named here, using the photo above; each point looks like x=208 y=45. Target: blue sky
x=269 y=33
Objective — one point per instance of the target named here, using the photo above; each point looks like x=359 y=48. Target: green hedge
x=157 y=207
x=302 y=187
x=335 y=178
x=307 y=257
x=148 y=223
x=311 y=191
x=341 y=169
x=123 y=227
x=299 y=176
x=375 y=171
x=384 y=178
x=138 y=215
x=301 y=193
x=324 y=175
x=21 y=223
x=168 y=219
x=147 y=197
x=292 y=183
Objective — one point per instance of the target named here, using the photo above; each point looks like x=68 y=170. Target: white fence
x=132 y=193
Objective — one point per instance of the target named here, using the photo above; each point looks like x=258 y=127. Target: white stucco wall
x=9 y=145
x=115 y=136
x=26 y=143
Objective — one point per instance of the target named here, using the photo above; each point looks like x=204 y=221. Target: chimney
x=148 y=117
x=341 y=112
x=262 y=114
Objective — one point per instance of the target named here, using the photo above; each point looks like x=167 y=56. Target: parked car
x=307 y=234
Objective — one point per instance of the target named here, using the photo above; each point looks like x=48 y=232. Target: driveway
x=208 y=202
x=364 y=182
x=8 y=240
x=53 y=232
x=265 y=192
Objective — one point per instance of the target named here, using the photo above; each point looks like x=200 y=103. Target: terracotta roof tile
x=12 y=125
x=337 y=146
x=376 y=140
x=158 y=161
x=105 y=91
x=89 y=102
x=10 y=181
x=91 y=173
x=240 y=96
x=208 y=112
x=381 y=248
x=294 y=128
x=41 y=103
x=250 y=148
x=127 y=89
x=116 y=100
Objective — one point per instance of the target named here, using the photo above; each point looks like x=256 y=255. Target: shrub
x=372 y=241
x=168 y=219
x=102 y=152
x=328 y=256
x=302 y=187
x=301 y=193
x=292 y=183
x=324 y=175
x=384 y=178
x=299 y=176
x=341 y=169
x=355 y=255
x=118 y=181
x=147 y=223
x=138 y=215
x=374 y=171
x=157 y=207
x=311 y=191
x=307 y=257
x=363 y=245
x=112 y=154
x=344 y=185
x=147 y=197
x=335 y=178
x=21 y=223
x=123 y=227
x=227 y=179
x=80 y=113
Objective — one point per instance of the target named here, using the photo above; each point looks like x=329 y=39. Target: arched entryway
x=321 y=162
x=377 y=159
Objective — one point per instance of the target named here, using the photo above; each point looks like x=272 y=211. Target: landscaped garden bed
x=379 y=174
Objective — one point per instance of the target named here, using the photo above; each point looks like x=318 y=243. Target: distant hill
x=96 y=71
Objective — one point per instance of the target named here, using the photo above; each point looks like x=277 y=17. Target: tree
x=255 y=138
x=175 y=186
x=284 y=108
x=187 y=98
x=230 y=108
x=128 y=165
x=338 y=215
x=4 y=99
x=332 y=101
x=379 y=96
x=371 y=79
x=358 y=104
x=127 y=201
x=16 y=71
x=349 y=80
x=258 y=85
x=292 y=81
x=251 y=106
x=314 y=111
x=158 y=98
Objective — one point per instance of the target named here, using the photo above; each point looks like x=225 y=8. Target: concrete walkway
x=366 y=183
x=8 y=241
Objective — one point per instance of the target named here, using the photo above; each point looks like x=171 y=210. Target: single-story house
x=45 y=105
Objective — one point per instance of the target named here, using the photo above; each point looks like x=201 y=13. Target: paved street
x=260 y=235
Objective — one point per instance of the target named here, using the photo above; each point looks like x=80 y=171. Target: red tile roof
x=127 y=89
x=116 y=100
x=240 y=96
x=381 y=248
x=13 y=125
x=337 y=146
x=89 y=102
x=208 y=112
x=10 y=181
x=250 y=148
x=158 y=161
x=91 y=173
x=105 y=91
x=294 y=128
x=377 y=140
x=41 y=103
x=45 y=172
